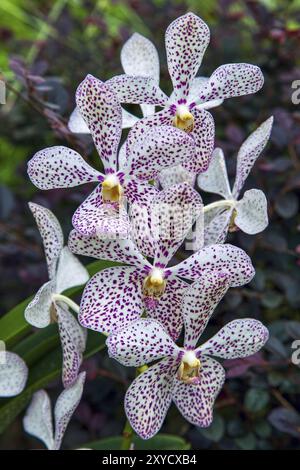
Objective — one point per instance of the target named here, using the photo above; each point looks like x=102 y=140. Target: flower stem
x=223 y=203
x=66 y=300
x=127 y=436
x=128 y=432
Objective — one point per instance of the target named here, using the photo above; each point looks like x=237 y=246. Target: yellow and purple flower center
x=189 y=368
x=112 y=190
x=183 y=118
x=154 y=284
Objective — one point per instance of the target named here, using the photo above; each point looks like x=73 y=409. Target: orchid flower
x=13 y=374
x=118 y=295
x=248 y=213
x=38 y=419
x=103 y=211
x=186 y=41
x=138 y=57
x=186 y=375
x=48 y=305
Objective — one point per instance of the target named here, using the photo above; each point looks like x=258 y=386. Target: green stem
x=223 y=203
x=66 y=300
x=128 y=432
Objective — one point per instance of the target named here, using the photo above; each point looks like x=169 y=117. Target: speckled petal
x=13 y=374
x=73 y=341
x=123 y=251
x=77 y=124
x=139 y=57
x=162 y=118
x=149 y=397
x=160 y=147
x=37 y=313
x=70 y=272
x=128 y=119
x=232 y=80
x=199 y=303
x=204 y=136
x=60 y=167
x=65 y=406
x=195 y=402
x=102 y=113
x=186 y=41
x=175 y=175
x=104 y=219
x=197 y=85
x=137 y=89
x=141 y=194
x=112 y=299
x=215 y=179
x=252 y=212
x=175 y=210
x=141 y=342
x=168 y=310
x=239 y=338
x=249 y=152
x=216 y=229
x=51 y=234
x=38 y=419
x=223 y=258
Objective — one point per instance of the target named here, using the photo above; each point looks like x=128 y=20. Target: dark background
x=47 y=48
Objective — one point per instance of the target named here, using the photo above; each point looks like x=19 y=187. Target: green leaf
x=256 y=400
x=159 y=442
x=44 y=371
x=13 y=325
x=247 y=442
x=215 y=431
x=37 y=345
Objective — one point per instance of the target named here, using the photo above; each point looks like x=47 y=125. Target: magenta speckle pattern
x=102 y=113
x=149 y=397
x=199 y=303
x=186 y=41
x=72 y=337
x=143 y=342
x=223 y=258
x=122 y=251
x=232 y=80
x=111 y=299
x=176 y=210
x=249 y=152
x=158 y=148
x=168 y=310
x=239 y=338
x=94 y=216
x=51 y=233
x=60 y=167
x=204 y=136
x=195 y=402
x=137 y=90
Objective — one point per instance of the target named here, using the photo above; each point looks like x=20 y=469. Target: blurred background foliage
x=47 y=48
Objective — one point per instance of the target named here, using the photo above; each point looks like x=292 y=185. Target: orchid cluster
x=142 y=209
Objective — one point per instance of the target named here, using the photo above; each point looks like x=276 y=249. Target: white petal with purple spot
x=239 y=338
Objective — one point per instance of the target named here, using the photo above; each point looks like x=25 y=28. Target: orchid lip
x=189 y=368
x=183 y=118
x=112 y=191
x=154 y=284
